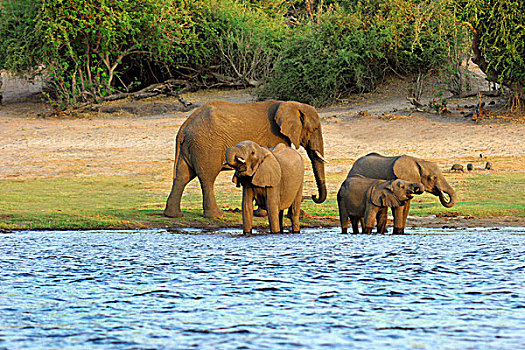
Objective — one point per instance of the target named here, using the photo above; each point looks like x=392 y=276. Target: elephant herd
x=255 y=140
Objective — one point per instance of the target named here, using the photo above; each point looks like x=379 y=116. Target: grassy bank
x=137 y=202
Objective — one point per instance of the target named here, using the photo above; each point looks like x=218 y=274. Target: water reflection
x=318 y=289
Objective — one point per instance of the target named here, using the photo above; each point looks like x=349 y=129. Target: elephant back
x=374 y=166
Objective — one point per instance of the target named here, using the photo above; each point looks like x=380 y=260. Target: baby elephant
x=361 y=197
x=272 y=177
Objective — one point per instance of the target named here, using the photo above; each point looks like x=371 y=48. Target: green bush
x=500 y=35
x=321 y=62
x=311 y=51
x=21 y=50
x=243 y=41
x=88 y=43
x=352 y=47
x=91 y=49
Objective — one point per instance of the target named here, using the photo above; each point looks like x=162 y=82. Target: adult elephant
x=410 y=169
x=204 y=137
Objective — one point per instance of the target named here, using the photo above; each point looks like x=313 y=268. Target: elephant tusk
x=320 y=156
x=241 y=160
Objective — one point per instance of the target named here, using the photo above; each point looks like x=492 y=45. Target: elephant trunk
x=451 y=194
x=230 y=156
x=318 y=169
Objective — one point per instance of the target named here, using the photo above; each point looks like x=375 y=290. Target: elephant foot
x=398 y=231
x=344 y=230
x=173 y=213
x=260 y=213
x=367 y=230
x=213 y=214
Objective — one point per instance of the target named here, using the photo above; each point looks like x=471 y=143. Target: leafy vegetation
x=313 y=51
x=498 y=39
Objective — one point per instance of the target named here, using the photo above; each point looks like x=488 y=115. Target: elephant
x=272 y=177
x=407 y=168
x=361 y=198
x=203 y=138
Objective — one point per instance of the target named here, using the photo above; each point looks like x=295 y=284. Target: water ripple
x=319 y=289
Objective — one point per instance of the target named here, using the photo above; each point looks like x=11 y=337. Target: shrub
x=91 y=49
x=89 y=43
x=353 y=46
x=20 y=48
x=498 y=39
x=244 y=41
x=321 y=62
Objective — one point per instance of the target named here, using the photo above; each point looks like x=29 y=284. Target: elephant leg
x=247 y=210
x=381 y=218
x=281 y=216
x=295 y=210
x=209 y=203
x=272 y=206
x=207 y=180
x=371 y=213
x=399 y=227
x=343 y=217
x=183 y=175
x=355 y=224
x=405 y=213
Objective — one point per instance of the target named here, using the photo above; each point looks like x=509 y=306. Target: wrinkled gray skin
x=272 y=177
x=407 y=168
x=204 y=137
x=363 y=198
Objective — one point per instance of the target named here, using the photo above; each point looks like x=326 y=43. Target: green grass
x=138 y=202
x=482 y=195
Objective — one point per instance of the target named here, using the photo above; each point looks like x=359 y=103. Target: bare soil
x=142 y=142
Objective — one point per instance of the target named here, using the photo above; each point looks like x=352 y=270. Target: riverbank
x=102 y=170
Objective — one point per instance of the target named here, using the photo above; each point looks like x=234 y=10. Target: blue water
x=432 y=289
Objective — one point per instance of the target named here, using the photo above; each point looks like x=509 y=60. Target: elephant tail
x=179 y=139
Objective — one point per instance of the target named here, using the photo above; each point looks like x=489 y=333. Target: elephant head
x=394 y=193
x=428 y=173
x=301 y=124
x=254 y=161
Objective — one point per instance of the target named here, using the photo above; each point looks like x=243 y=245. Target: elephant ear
x=383 y=196
x=268 y=174
x=288 y=118
x=407 y=168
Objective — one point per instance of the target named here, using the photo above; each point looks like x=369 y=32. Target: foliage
x=244 y=41
x=20 y=48
x=92 y=48
x=352 y=46
x=499 y=27
x=89 y=42
x=314 y=51
x=322 y=62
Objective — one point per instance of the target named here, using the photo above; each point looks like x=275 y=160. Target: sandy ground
x=127 y=144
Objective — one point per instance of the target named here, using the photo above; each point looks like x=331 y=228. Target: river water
x=155 y=289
